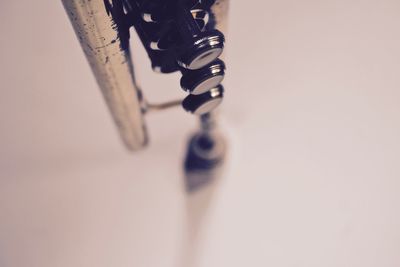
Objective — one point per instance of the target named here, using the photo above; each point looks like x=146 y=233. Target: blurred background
x=312 y=116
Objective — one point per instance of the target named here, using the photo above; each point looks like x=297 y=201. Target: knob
x=198 y=48
x=204 y=103
x=204 y=161
x=200 y=81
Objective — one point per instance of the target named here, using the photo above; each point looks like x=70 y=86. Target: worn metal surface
x=112 y=66
x=107 y=51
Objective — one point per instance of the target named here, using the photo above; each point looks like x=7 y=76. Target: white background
x=313 y=117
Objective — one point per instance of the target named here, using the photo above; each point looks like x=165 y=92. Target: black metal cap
x=202 y=50
x=204 y=103
x=200 y=81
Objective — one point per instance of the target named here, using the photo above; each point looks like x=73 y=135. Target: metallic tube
x=112 y=66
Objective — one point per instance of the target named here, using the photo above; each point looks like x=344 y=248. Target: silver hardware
x=105 y=41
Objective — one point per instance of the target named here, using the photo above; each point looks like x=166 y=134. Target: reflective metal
x=112 y=66
x=110 y=59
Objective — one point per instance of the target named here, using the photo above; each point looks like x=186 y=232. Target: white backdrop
x=313 y=116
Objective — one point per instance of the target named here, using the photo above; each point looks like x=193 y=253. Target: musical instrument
x=179 y=36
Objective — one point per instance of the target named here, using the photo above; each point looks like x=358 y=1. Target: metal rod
x=104 y=42
x=162 y=106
